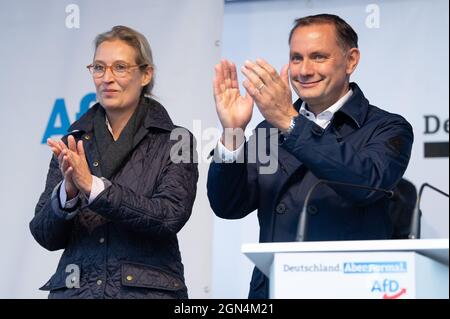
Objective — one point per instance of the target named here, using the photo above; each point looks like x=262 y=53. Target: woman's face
x=119 y=93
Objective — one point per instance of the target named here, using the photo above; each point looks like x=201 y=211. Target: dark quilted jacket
x=124 y=244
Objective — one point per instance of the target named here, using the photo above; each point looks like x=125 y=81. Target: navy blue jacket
x=124 y=244
x=363 y=145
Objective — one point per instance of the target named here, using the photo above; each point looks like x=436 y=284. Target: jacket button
x=312 y=210
x=101 y=240
x=87 y=137
x=95 y=163
x=129 y=278
x=99 y=282
x=317 y=130
x=281 y=208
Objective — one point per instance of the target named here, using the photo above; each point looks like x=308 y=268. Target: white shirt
x=97 y=187
x=322 y=119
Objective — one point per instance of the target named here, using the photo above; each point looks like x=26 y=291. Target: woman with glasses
x=115 y=196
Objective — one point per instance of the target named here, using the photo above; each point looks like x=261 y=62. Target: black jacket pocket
x=145 y=276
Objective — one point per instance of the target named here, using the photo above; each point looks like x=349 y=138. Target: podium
x=367 y=269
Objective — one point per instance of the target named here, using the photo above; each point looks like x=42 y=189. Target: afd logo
x=59 y=115
x=375 y=267
x=389 y=288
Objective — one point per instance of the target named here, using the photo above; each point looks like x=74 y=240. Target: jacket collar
x=157 y=117
x=355 y=108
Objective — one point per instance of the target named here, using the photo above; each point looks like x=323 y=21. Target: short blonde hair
x=137 y=41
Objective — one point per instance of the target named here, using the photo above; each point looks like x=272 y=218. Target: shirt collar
x=324 y=118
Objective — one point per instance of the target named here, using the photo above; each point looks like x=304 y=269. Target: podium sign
x=358 y=275
x=385 y=269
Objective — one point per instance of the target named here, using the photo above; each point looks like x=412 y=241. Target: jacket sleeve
x=380 y=162
x=233 y=187
x=52 y=225
x=164 y=213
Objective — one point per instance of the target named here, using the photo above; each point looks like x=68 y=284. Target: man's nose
x=306 y=68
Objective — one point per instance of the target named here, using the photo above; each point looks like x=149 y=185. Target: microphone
x=417 y=213
x=301 y=229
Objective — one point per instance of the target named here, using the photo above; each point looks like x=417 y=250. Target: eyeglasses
x=118 y=69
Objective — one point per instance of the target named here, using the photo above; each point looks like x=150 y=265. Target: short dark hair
x=346 y=36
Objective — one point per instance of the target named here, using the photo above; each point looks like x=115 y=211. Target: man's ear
x=352 y=60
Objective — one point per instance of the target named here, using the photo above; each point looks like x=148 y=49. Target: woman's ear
x=147 y=76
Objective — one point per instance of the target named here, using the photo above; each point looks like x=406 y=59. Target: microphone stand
x=415 y=219
x=301 y=229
